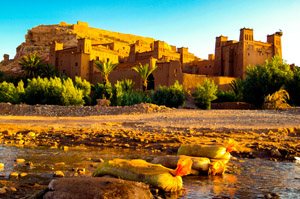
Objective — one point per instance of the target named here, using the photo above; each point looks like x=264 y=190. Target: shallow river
x=246 y=178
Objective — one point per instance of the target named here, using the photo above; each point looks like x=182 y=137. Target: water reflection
x=252 y=178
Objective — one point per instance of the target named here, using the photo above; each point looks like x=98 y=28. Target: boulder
x=96 y=188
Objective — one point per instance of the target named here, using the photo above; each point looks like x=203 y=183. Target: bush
x=102 y=91
x=237 y=87
x=277 y=100
x=135 y=97
x=173 y=96
x=85 y=86
x=10 y=93
x=226 y=96
x=265 y=79
x=205 y=94
x=293 y=87
x=53 y=91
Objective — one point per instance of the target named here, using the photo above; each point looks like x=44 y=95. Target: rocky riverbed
x=267 y=134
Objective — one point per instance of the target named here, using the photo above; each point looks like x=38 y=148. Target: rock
x=19 y=160
x=59 y=174
x=99 y=187
x=2 y=190
x=274 y=152
x=1 y=165
x=13 y=189
x=31 y=134
x=23 y=175
x=13 y=175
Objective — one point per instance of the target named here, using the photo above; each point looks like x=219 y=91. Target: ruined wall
x=190 y=81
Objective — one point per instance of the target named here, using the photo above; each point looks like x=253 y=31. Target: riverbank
x=266 y=134
x=260 y=133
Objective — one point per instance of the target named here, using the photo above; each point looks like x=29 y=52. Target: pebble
x=31 y=134
x=14 y=175
x=2 y=190
x=65 y=148
x=19 y=160
x=1 y=165
x=59 y=174
x=23 y=175
x=13 y=189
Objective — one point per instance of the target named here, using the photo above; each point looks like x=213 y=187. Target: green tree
x=265 y=79
x=48 y=70
x=85 y=86
x=144 y=72
x=205 y=94
x=31 y=65
x=293 y=87
x=173 y=96
x=237 y=87
x=105 y=68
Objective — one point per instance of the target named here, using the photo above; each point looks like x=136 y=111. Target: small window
x=64 y=71
x=107 y=59
x=248 y=54
x=76 y=63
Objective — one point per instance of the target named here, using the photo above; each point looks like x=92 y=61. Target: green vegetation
x=205 y=94
x=277 y=100
x=293 y=87
x=144 y=72
x=85 y=86
x=105 y=68
x=266 y=79
x=173 y=96
x=52 y=91
x=237 y=87
x=10 y=93
x=30 y=64
x=226 y=96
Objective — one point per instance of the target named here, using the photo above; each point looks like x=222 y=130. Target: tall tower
x=246 y=35
x=246 y=39
x=84 y=46
x=275 y=39
x=53 y=48
x=219 y=68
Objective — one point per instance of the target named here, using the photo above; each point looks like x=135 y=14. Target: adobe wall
x=190 y=81
x=167 y=73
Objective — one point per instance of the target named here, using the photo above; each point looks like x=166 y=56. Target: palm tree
x=105 y=68
x=144 y=72
x=30 y=64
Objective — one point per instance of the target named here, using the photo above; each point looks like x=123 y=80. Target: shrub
x=237 y=87
x=101 y=91
x=135 y=97
x=277 y=100
x=226 y=96
x=10 y=93
x=265 y=79
x=173 y=96
x=205 y=94
x=85 y=86
x=53 y=91
x=293 y=87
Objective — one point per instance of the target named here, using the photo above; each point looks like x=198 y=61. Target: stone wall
x=190 y=81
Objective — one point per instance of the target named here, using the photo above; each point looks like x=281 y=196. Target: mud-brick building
x=230 y=60
x=232 y=57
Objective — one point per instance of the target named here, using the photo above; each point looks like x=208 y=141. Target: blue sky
x=189 y=23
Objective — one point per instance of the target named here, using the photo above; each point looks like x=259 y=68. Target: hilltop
x=39 y=38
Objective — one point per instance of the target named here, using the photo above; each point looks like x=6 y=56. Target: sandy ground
x=273 y=135
x=218 y=120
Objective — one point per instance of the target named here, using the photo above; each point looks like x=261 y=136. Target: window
x=107 y=59
x=64 y=71
x=76 y=63
x=248 y=54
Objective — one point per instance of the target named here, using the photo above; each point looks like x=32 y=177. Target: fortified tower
x=219 y=67
x=275 y=39
x=84 y=46
x=244 y=58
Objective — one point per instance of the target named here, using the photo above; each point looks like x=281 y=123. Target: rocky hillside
x=39 y=38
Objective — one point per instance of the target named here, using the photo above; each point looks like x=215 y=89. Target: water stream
x=246 y=178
